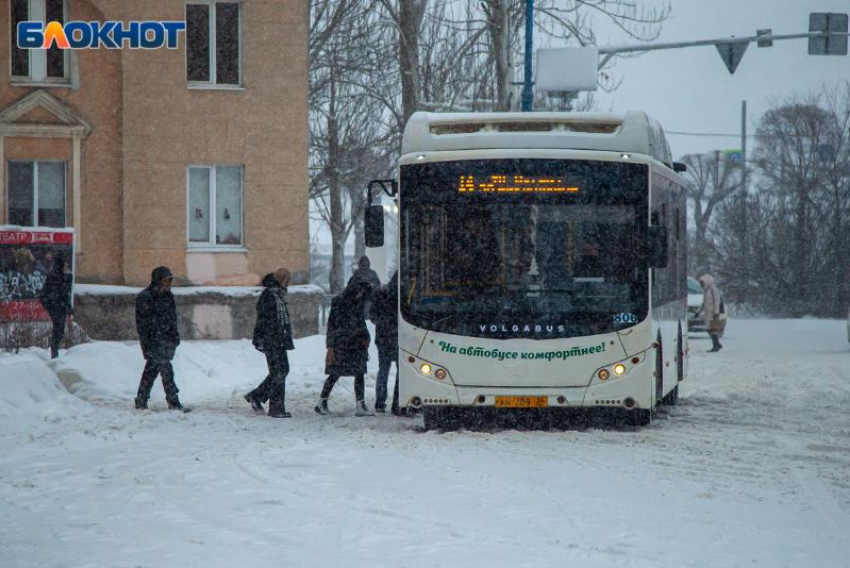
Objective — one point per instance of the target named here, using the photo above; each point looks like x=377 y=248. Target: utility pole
x=744 y=145
x=527 y=92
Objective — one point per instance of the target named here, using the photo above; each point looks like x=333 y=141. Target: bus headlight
x=619 y=369
x=604 y=374
x=440 y=374
x=425 y=369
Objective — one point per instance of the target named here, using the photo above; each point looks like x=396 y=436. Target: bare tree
x=711 y=178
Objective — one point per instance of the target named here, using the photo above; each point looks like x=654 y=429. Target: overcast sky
x=691 y=90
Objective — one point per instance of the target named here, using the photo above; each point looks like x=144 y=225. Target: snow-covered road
x=751 y=469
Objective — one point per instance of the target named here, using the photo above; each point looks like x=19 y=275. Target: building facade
x=195 y=158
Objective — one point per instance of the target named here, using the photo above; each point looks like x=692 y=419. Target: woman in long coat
x=711 y=311
x=273 y=337
x=348 y=344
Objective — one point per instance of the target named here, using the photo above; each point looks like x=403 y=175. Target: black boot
x=281 y=413
x=175 y=405
x=141 y=404
x=715 y=344
x=255 y=403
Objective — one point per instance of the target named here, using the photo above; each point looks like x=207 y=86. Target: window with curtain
x=215 y=205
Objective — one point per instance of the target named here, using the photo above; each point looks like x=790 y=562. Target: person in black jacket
x=56 y=298
x=347 y=343
x=385 y=318
x=273 y=337
x=156 y=323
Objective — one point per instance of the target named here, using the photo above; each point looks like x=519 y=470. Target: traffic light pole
x=610 y=51
x=527 y=89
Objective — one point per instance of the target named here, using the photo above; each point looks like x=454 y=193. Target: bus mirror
x=657 y=253
x=679 y=167
x=373 y=224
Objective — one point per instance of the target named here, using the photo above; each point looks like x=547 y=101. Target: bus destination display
x=502 y=183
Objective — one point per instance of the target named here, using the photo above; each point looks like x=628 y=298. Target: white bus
x=542 y=265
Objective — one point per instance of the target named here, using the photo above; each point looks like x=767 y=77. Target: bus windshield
x=524 y=247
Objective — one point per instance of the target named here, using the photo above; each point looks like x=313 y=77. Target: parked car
x=695 y=322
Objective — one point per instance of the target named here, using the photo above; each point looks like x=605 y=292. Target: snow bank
x=30 y=388
x=204 y=370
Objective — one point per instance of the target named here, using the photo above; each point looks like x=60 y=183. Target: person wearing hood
x=55 y=296
x=273 y=338
x=712 y=310
x=365 y=273
x=348 y=344
x=156 y=324
x=385 y=317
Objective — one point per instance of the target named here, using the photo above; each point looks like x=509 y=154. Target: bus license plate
x=522 y=401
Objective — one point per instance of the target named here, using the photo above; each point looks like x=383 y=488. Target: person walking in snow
x=55 y=296
x=385 y=318
x=156 y=324
x=712 y=311
x=348 y=344
x=273 y=338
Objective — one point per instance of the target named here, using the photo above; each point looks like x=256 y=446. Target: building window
x=36 y=194
x=213 y=43
x=215 y=205
x=38 y=65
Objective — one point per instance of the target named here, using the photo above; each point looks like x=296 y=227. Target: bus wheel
x=443 y=418
x=672 y=397
x=659 y=373
x=432 y=418
x=641 y=417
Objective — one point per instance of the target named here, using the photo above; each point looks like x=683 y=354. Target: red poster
x=26 y=257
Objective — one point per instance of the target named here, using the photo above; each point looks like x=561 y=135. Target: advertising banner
x=26 y=257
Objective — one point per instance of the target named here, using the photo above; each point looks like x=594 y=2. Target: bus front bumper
x=632 y=391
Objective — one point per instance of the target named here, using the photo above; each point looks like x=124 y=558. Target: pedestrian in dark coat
x=385 y=318
x=348 y=344
x=364 y=273
x=56 y=298
x=156 y=323
x=273 y=337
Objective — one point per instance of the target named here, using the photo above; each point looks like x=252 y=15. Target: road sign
x=731 y=54
x=567 y=69
x=765 y=33
x=734 y=156
x=833 y=44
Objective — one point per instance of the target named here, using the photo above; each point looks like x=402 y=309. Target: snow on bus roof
x=631 y=132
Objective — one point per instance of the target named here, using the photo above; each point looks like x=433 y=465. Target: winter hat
x=160 y=273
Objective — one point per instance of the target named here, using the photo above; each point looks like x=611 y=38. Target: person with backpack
x=55 y=296
x=348 y=344
x=273 y=338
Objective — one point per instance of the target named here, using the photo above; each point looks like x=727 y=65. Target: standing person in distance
x=273 y=337
x=55 y=296
x=385 y=317
x=156 y=323
x=712 y=311
x=348 y=344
